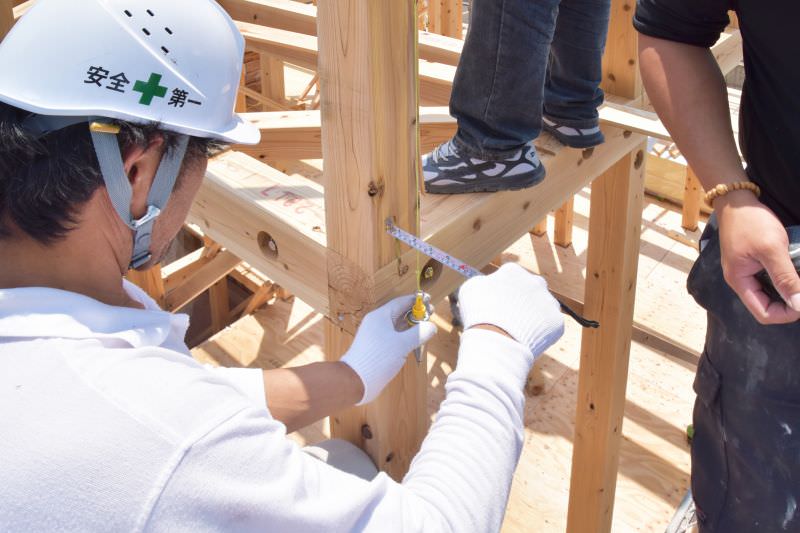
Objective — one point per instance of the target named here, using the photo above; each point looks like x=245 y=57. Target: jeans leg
x=572 y=90
x=499 y=85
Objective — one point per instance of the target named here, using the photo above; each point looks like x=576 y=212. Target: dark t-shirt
x=769 y=116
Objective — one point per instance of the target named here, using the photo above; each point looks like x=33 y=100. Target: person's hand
x=515 y=301
x=752 y=239
x=379 y=350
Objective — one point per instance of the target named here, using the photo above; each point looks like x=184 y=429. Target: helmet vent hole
x=150 y=13
x=168 y=30
x=164 y=48
x=128 y=13
x=146 y=31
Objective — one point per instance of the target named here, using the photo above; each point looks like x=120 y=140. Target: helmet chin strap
x=104 y=138
x=120 y=192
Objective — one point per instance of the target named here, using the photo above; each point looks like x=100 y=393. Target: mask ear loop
x=119 y=188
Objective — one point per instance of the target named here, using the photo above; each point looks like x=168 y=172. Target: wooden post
x=435 y=16
x=564 y=217
x=6 y=17
x=692 y=200
x=273 y=85
x=219 y=305
x=540 y=228
x=151 y=282
x=369 y=106
x=241 y=99
x=452 y=18
x=612 y=260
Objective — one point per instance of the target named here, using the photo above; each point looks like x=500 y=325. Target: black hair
x=45 y=181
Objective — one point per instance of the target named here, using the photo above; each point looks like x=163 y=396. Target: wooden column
x=612 y=257
x=151 y=282
x=273 y=85
x=614 y=231
x=564 y=219
x=692 y=200
x=540 y=228
x=6 y=17
x=452 y=18
x=367 y=76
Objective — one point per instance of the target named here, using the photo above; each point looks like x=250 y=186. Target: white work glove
x=379 y=351
x=515 y=301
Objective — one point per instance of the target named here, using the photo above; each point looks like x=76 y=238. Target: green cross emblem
x=150 y=89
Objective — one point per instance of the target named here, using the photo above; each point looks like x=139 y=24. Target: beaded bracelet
x=724 y=188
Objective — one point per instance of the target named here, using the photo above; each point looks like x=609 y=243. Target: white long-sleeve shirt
x=107 y=424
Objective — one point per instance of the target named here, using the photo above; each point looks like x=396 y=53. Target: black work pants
x=746 y=447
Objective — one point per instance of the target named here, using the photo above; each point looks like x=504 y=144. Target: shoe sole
x=489 y=184
x=573 y=141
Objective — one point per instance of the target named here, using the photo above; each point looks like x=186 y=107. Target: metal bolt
x=272 y=245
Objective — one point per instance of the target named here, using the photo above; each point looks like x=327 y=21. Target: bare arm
x=302 y=395
x=688 y=91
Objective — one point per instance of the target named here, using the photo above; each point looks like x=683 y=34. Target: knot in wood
x=366 y=431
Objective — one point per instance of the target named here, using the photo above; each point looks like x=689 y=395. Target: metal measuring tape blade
x=463 y=268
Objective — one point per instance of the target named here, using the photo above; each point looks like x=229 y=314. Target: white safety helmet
x=175 y=62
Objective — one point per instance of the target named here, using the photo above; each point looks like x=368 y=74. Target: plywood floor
x=654 y=461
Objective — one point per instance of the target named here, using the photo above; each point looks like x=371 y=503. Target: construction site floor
x=654 y=455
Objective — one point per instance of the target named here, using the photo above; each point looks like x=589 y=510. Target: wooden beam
x=284 y=14
x=619 y=112
x=369 y=111
x=177 y=272
x=440 y=48
x=286 y=135
x=436 y=79
x=201 y=280
x=295 y=48
x=462 y=224
x=274 y=222
x=302 y=18
x=477 y=227
x=298 y=134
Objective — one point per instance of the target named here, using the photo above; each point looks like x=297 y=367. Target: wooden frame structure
x=326 y=242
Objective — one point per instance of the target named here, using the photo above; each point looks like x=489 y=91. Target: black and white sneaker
x=449 y=172
x=574 y=137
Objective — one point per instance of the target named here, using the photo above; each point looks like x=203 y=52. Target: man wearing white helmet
x=108 y=111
